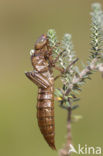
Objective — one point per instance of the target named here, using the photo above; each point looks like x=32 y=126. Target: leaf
x=75 y=107
x=67 y=103
x=76 y=92
x=76 y=99
x=58 y=93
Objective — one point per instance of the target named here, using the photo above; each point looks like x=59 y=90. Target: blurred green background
x=21 y=23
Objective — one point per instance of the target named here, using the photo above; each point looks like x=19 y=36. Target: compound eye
x=43 y=38
x=41 y=42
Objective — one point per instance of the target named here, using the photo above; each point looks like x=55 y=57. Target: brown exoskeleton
x=42 y=76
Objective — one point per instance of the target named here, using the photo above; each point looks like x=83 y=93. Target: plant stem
x=69 y=137
x=93 y=66
x=65 y=151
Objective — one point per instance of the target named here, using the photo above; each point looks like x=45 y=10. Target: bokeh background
x=21 y=23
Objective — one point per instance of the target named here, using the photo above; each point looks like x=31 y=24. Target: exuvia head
x=40 y=42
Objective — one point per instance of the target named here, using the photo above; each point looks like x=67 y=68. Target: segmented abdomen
x=42 y=76
x=45 y=114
